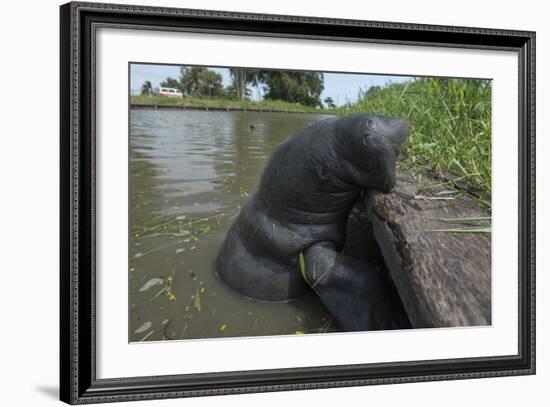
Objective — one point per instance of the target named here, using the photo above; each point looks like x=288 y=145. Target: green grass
x=450 y=124
x=276 y=105
x=302 y=262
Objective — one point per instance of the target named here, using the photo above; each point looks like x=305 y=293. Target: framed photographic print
x=257 y=203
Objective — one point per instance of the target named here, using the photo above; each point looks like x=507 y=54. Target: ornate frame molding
x=78 y=380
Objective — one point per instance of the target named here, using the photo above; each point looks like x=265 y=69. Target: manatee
x=360 y=296
x=306 y=192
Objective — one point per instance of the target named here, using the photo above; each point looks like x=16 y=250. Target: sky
x=341 y=87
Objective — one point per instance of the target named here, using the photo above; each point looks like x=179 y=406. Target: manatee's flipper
x=360 y=297
x=255 y=258
x=259 y=276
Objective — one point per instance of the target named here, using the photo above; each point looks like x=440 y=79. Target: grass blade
x=303 y=268
x=471 y=219
x=477 y=229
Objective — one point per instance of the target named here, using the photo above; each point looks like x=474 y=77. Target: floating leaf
x=201 y=230
x=151 y=283
x=202 y=290
x=222 y=327
x=299 y=332
x=298 y=318
x=146 y=326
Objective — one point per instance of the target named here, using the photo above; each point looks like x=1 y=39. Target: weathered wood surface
x=443 y=278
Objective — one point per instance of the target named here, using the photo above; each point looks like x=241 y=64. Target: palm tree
x=238 y=75
x=146 y=89
x=190 y=79
x=256 y=77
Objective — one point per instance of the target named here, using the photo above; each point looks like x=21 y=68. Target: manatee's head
x=368 y=146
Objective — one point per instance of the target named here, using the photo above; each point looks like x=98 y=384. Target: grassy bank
x=450 y=125
x=274 y=105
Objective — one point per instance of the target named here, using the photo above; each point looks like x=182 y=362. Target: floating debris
x=167 y=289
x=151 y=283
x=145 y=327
x=202 y=230
x=147 y=336
x=169 y=292
x=197 y=302
x=157 y=294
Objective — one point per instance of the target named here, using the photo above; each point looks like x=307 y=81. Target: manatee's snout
x=370 y=148
x=397 y=131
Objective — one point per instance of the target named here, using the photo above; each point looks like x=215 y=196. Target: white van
x=170 y=92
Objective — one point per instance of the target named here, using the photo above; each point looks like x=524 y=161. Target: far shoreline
x=220 y=109
x=225 y=105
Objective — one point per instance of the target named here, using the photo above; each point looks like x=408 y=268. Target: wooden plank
x=443 y=278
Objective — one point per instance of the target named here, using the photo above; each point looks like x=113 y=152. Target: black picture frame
x=78 y=382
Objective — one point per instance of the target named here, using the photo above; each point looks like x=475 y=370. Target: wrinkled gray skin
x=359 y=296
x=306 y=193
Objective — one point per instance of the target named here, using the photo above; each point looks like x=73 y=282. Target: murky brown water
x=190 y=173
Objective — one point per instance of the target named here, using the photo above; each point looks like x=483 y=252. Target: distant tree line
x=290 y=86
